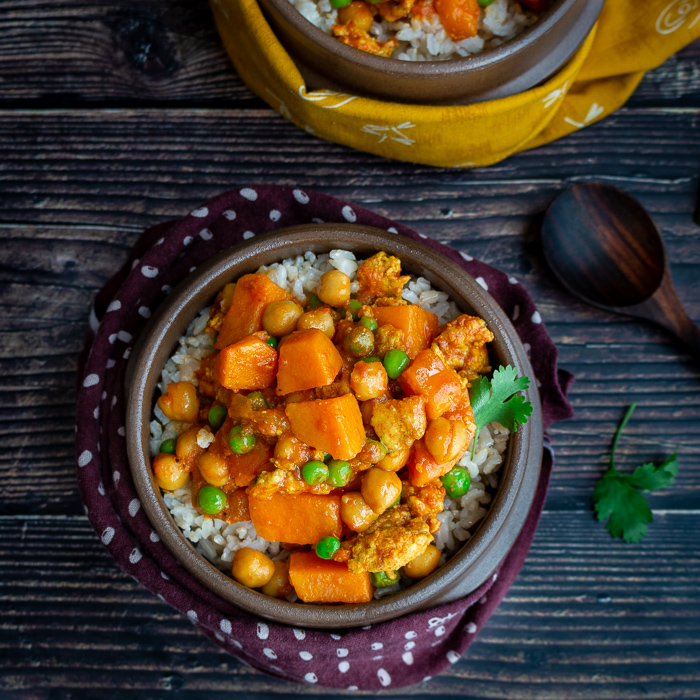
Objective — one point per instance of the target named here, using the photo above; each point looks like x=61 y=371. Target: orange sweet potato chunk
x=419 y=327
x=250 y=297
x=249 y=364
x=317 y=580
x=308 y=359
x=422 y=466
x=428 y=376
x=297 y=519
x=330 y=425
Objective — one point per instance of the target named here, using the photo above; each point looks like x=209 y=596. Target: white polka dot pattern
x=230 y=214
x=384 y=677
x=343 y=666
x=306 y=655
x=452 y=656
x=349 y=215
x=248 y=235
x=275 y=215
x=299 y=634
x=225 y=626
x=91 y=380
x=206 y=235
x=536 y=318
x=269 y=653
x=200 y=213
x=301 y=196
x=114 y=306
x=466 y=256
x=134 y=507
x=471 y=628
x=263 y=631
x=135 y=556
x=192 y=614
x=311 y=678
x=249 y=194
x=482 y=282
x=107 y=535
x=148 y=271
x=85 y=458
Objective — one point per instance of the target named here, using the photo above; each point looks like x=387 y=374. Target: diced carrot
x=297 y=519
x=423 y=8
x=428 y=376
x=308 y=359
x=244 y=316
x=317 y=580
x=249 y=364
x=460 y=18
x=330 y=425
x=422 y=466
x=419 y=326
x=462 y=411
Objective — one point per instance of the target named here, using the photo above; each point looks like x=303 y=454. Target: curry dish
x=334 y=424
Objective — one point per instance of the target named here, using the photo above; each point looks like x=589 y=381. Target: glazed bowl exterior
x=476 y=561
x=517 y=65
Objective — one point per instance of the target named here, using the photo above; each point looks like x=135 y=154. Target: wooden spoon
x=604 y=248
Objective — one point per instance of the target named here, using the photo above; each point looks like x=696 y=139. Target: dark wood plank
x=142 y=53
x=587 y=617
x=77 y=187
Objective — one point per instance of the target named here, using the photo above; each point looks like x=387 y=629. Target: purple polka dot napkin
x=383 y=656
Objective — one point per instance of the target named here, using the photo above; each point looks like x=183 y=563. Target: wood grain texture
x=145 y=52
x=579 y=622
x=116 y=116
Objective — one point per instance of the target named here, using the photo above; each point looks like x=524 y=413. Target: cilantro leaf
x=493 y=400
x=618 y=497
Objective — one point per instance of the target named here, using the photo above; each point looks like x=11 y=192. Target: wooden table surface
x=115 y=116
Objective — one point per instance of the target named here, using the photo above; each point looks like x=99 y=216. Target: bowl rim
x=481 y=61
x=473 y=563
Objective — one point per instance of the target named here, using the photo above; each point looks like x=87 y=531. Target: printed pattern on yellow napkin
x=629 y=39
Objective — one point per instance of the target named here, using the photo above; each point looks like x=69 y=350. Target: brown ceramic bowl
x=514 y=66
x=477 y=559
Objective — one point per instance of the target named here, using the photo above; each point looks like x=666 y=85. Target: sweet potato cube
x=419 y=327
x=428 y=376
x=249 y=364
x=308 y=359
x=422 y=466
x=317 y=580
x=297 y=519
x=250 y=297
x=330 y=425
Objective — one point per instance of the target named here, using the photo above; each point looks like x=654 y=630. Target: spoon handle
x=666 y=310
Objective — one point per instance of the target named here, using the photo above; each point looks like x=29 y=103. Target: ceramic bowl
x=517 y=65
x=477 y=559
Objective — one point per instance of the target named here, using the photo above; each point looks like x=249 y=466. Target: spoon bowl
x=606 y=249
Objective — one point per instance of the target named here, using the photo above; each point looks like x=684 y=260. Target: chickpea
x=380 y=489
x=446 y=439
x=367 y=409
x=359 y=341
x=213 y=469
x=278 y=586
x=358 y=12
x=334 y=286
x=252 y=568
x=355 y=512
x=396 y=459
x=280 y=317
x=180 y=402
x=227 y=296
x=368 y=380
x=424 y=564
x=187 y=449
x=320 y=318
x=292 y=450
x=170 y=473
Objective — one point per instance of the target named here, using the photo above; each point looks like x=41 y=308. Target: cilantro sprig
x=618 y=498
x=494 y=400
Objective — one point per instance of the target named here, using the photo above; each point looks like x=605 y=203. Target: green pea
x=314 y=301
x=327 y=457
x=314 y=472
x=211 y=500
x=372 y=358
x=272 y=342
x=359 y=341
x=369 y=322
x=384 y=579
x=354 y=305
x=395 y=362
x=456 y=482
x=484 y=3
x=327 y=547
x=168 y=446
x=257 y=401
x=375 y=449
x=339 y=473
x=241 y=443
x=217 y=415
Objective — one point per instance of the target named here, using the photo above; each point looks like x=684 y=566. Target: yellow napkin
x=630 y=38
